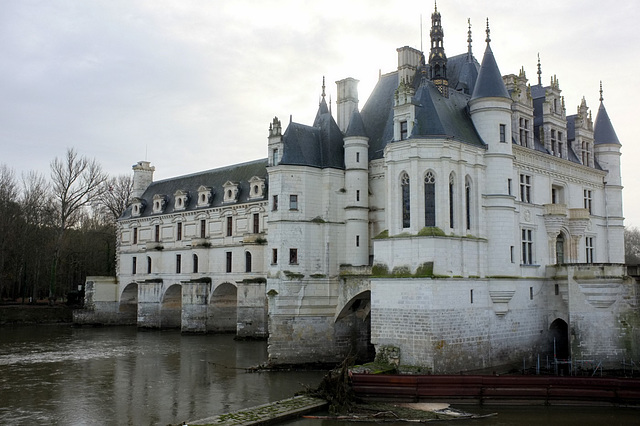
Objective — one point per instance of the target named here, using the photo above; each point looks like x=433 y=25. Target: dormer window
x=231 y=191
x=137 y=207
x=205 y=195
x=181 y=199
x=159 y=203
x=257 y=186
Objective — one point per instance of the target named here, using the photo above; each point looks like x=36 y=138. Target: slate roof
x=320 y=145
x=356 y=125
x=603 y=131
x=444 y=117
x=489 y=83
x=215 y=178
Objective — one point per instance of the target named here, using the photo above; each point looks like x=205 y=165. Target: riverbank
x=29 y=314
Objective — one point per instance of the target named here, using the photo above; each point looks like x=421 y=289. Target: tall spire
x=539 y=71
x=437 y=57
x=469 y=40
x=488 y=39
x=601 y=98
x=323 y=95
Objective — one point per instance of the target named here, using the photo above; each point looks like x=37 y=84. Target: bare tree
x=76 y=183
x=632 y=246
x=116 y=195
x=9 y=217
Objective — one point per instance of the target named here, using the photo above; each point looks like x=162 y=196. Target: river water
x=60 y=375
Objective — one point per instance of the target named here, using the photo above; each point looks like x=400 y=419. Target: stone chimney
x=142 y=177
x=408 y=62
x=347 y=101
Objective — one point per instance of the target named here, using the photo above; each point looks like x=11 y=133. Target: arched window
x=195 y=263
x=467 y=201
x=452 y=182
x=429 y=199
x=247 y=262
x=148 y=265
x=406 y=202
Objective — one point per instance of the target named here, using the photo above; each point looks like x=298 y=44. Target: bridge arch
x=353 y=326
x=128 y=306
x=223 y=309
x=171 y=309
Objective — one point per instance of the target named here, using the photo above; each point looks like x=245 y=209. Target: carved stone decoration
x=600 y=295
x=578 y=221
x=555 y=218
x=500 y=299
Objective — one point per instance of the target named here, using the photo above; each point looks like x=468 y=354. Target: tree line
x=57 y=229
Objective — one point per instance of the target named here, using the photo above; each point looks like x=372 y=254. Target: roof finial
x=488 y=40
x=469 y=37
x=539 y=71
x=323 y=95
x=601 y=98
x=435 y=4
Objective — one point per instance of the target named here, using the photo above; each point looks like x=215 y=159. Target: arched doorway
x=560 y=249
x=223 y=309
x=171 y=310
x=559 y=343
x=353 y=327
x=129 y=303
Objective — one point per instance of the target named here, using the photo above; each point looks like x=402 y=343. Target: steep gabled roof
x=320 y=145
x=437 y=115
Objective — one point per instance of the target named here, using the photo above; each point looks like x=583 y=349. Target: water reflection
x=74 y=376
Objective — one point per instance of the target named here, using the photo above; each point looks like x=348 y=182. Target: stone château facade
x=459 y=215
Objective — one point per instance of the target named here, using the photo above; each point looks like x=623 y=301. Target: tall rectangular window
x=527 y=247
x=404 y=130
x=357 y=240
x=256 y=223
x=588 y=249
x=429 y=199
x=229 y=261
x=293 y=202
x=524 y=132
x=357 y=195
x=503 y=133
x=560 y=145
x=274 y=203
x=134 y=262
x=276 y=157
x=135 y=235
x=148 y=265
x=179 y=231
x=511 y=254
x=509 y=185
x=229 y=226
x=274 y=256
x=530 y=293
x=293 y=256
x=357 y=157
x=195 y=263
x=203 y=228
x=587 y=200
x=471 y=295
x=178 y=263
x=525 y=188
x=554 y=150
x=157 y=234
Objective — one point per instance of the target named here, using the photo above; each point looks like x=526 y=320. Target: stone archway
x=128 y=307
x=352 y=327
x=223 y=309
x=171 y=308
x=558 y=344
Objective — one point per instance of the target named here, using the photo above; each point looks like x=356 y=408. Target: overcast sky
x=193 y=85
